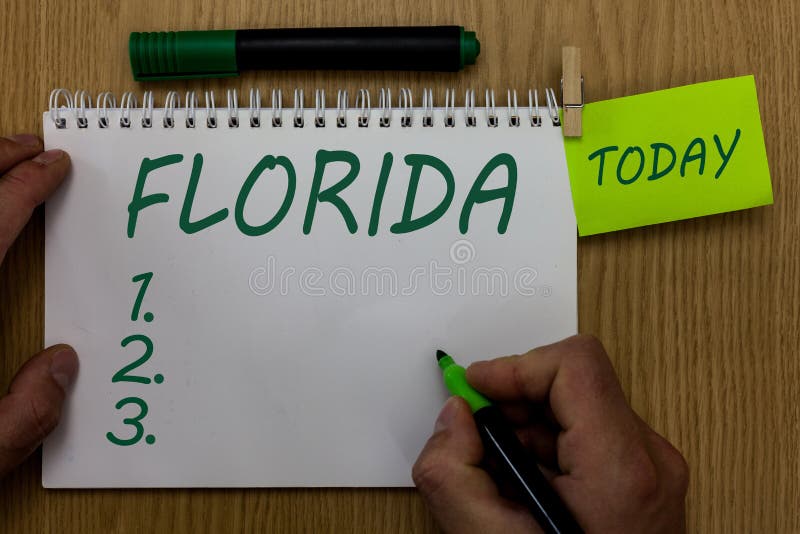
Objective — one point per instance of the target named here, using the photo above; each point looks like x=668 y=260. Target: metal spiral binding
x=513 y=113
x=469 y=108
x=427 y=108
x=105 y=101
x=173 y=101
x=552 y=106
x=385 y=103
x=277 y=108
x=298 y=108
x=147 y=109
x=365 y=106
x=449 y=108
x=127 y=102
x=491 y=110
x=233 y=108
x=533 y=100
x=211 y=110
x=407 y=106
x=191 y=108
x=319 y=108
x=341 y=108
x=63 y=105
x=82 y=101
x=56 y=108
x=255 y=108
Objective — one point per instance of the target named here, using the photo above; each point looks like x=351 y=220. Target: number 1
x=144 y=278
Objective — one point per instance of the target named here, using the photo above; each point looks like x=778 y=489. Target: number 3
x=133 y=421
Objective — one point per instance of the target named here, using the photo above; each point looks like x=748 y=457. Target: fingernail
x=25 y=139
x=446 y=416
x=46 y=158
x=64 y=367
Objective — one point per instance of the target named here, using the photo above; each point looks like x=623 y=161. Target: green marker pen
x=516 y=464
x=218 y=53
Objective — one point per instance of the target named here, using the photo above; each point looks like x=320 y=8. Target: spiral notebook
x=257 y=293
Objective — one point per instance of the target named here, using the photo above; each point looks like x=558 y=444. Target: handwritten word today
x=632 y=161
x=417 y=162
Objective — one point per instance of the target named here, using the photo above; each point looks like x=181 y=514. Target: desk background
x=701 y=317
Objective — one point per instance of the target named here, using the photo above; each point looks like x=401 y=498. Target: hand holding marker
x=514 y=462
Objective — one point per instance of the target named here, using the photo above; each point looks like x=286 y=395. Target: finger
x=523 y=412
x=541 y=440
x=32 y=408
x=24 y=187
x=18 y=148
x=519 y=413
x=534 y=428
x=461 y=495
x=574 y=376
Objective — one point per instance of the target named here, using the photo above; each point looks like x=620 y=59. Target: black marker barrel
x=429 y=48
x=521 y=472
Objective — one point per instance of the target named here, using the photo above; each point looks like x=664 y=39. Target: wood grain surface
x=701 y=317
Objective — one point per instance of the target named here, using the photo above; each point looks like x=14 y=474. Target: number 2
x=135 y=422
x=122 y=375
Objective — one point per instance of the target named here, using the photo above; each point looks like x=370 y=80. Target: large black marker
x=218 y=53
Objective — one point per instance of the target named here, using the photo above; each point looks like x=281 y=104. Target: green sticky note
x=669 y=155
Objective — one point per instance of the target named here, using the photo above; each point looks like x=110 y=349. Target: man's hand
x=32 y=407
x=611 y=469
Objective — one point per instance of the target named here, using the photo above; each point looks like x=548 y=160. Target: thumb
x=461 y=496
x=32 y=408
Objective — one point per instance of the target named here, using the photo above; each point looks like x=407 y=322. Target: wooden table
x=700 y=317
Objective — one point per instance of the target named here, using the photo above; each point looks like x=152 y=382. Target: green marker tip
x=456 y=381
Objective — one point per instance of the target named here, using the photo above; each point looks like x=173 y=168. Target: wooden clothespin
x=571 y=91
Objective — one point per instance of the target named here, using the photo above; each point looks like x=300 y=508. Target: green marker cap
x=181 y=55
x=470 y=47
x=456 y=382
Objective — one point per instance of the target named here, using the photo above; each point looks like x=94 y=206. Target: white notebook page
x=297 y=357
